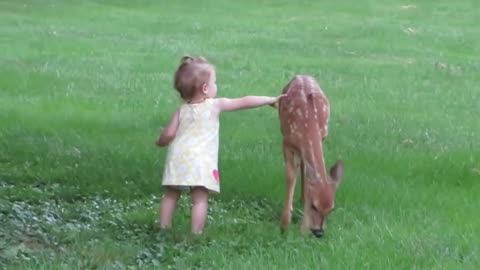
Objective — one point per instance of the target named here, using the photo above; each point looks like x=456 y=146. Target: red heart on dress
x=216 y=175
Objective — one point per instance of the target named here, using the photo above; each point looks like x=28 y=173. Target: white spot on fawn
x=299 y=113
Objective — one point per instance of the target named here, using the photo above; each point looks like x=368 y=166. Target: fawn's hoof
x=317 y=232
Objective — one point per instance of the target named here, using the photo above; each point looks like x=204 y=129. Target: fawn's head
x=320 y=198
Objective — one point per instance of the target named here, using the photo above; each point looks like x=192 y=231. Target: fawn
x=304 y=115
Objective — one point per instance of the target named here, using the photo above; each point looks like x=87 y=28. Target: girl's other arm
x=228 y=104
x=169 y=132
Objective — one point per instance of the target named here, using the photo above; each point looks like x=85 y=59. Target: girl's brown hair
x=191 y=75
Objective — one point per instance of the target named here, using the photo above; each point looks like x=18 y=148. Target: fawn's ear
x=336 y=172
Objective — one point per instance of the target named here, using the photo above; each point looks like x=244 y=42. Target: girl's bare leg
x=199 y=209
x=167 y=207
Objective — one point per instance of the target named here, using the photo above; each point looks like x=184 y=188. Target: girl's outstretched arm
x=169 y=132
x=229 y=104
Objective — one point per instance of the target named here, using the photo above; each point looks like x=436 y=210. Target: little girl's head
x=195 y=79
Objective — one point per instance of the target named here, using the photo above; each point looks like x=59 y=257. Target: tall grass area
x=86 y=86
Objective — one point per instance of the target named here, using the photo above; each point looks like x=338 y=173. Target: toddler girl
x=192 y=139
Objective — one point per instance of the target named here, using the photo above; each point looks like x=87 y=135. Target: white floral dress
x=192 y=157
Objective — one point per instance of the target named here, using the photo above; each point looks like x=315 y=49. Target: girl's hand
x=276 y=100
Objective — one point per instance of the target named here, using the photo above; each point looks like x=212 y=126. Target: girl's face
x=211 y=86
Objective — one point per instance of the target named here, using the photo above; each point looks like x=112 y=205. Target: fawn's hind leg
x=291 y=168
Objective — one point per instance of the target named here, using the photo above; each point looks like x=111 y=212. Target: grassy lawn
x=85 y=87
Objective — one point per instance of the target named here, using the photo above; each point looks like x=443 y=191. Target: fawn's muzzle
x=317 y=232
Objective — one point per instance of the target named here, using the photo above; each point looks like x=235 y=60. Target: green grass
x=85 y=87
